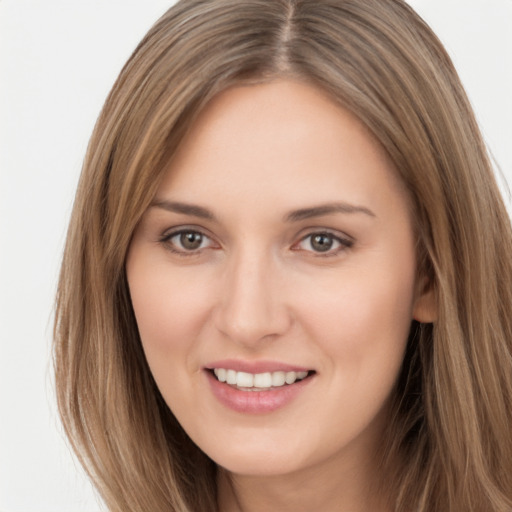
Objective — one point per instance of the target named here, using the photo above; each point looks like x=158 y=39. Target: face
x=273 y=280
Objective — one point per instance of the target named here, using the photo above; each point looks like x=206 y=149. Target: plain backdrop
x=58 y=60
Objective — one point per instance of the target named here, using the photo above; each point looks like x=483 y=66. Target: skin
x=257 y=288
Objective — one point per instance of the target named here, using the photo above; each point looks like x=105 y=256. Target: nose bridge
x=251 y=306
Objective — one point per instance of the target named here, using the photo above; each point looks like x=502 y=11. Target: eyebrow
x=185 y=208
x=293 y=216
x=326 y=209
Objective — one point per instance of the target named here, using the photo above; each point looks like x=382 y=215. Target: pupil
x=191 y=240
x=322 y=243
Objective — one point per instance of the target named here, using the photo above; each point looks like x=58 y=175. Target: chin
x=257 y=467
x=258 y=459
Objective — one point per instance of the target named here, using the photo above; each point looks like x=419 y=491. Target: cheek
x=169 y=308
x=362 y=326
x=362 y=319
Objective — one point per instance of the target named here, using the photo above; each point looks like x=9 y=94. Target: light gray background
x=58 y=59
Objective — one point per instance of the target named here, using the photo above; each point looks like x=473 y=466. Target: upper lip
x=255 y=367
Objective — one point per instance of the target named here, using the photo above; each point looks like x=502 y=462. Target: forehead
x=283 y=139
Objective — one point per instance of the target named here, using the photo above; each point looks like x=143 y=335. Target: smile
x=258 y=381
x=257 y=388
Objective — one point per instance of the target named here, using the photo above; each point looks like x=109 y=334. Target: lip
x=256 y=402
x=256 y=366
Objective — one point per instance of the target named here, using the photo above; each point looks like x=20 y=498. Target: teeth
x=278 y=379
x=257 y=380
x=290 y=377
x=244 y=380
x=231 y=377
x=221 y=374
x=263 y=380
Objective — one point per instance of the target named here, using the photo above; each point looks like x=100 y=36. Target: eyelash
x=166 y=239
x=342 y=243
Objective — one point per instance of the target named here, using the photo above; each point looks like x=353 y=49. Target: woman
x=286 y=283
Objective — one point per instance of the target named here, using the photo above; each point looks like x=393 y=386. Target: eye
x=186 y=241
x=323 y=243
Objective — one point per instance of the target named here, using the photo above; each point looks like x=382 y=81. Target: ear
x=425 y=303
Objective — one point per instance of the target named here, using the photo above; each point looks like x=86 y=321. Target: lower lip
x=256 y=402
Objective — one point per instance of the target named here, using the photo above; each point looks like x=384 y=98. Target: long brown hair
x=450 y=429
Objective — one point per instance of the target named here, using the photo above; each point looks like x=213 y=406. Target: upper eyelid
x=335 y=233
x=170 y=232
x=345 y=242
x=341 y=236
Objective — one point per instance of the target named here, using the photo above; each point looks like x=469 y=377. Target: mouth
x=258 y=382
x=258 y=387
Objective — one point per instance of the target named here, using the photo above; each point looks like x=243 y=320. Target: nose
x=252 y=306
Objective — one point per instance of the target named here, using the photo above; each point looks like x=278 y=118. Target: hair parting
x=448 y=443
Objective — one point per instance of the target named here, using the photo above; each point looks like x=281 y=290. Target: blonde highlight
x=448 y=444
